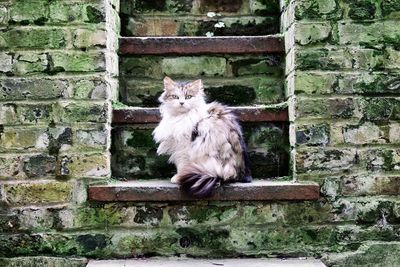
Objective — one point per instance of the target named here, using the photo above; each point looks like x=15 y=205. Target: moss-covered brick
x=10 y=166
x=325 y=108
x=362 y=9
x=369 y=185
x=381 y=159
x=41 y=38
x=96 y=88
x=83 y=12
x=318 y=9
x=25 y=88
x=82 y=112
x=313 y=135
x=84 y=38
x=180 y=6
x=76 y=62
x=8 y=113
x=29 y=63
x=102 y=216
x=43 y=261
x=315 y=83
x=3 y=15
x=6 y=62
x=26 y=12
x=391 y=9
x=141 y=67
x=370 y=253
x=30 y=193
x=22 y=139
x=366 y=133
x=380 y=109
x=83 y=165
x=365 y=34
x=264 y=7
x=39 y=166
x=321 y=58
x=143 y=165
x=35 y=113
x=330 y=160
x=311 y=33
x=220 y=6
x=143 y=6
x=92 y=138
x=268 y=64
x=194 y=66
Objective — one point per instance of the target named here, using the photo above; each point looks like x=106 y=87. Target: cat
x=204 y=141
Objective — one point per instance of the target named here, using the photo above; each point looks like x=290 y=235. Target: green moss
x=231 y=94
x=362 y=9
x=99 y=217
x=141 y=138
x=94 y=15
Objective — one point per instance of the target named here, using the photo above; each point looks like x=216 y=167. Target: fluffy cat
x=204 y=141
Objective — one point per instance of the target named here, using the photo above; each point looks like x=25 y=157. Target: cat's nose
x=181 y=103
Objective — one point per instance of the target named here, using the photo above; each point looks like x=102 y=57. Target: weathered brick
x=83 y=165
x=391 y=9
x=44 y=261
x=77 y=62
x=82 y=112
x=64 y=12
x=92 y=138
x=326 y=160
x=8 y=113
x=263 y=8
x=381 y=159
x=313 y=135
x=5 y=62
x=366 y=133
x=315 y=83
x=311 y=33
x=380 y=109
x=89 y=38
x=362 y=9
x=26 y=88
x=23 y=139
x=33 y=38
x=29 y=12
x=369 y=185
x=317 y=9
x=325 y=108
x=28 y=63
x=43 y=192
x=194 y=66
x=3 y=15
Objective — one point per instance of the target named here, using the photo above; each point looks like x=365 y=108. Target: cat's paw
x=174 y=179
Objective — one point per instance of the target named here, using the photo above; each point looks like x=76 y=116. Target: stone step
x=135 y=115
x=162 y=190
x=171 y=262
x=201 y=45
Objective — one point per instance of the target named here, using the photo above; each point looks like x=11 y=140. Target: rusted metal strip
x=258 y=190
x=200 y=45
x=245 y=114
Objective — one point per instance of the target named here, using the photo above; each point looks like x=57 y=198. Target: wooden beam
x=245 y=114
x=156 y=190
x=200 y=45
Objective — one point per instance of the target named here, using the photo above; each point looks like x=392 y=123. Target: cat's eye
x=188 y=97
x=174 y=96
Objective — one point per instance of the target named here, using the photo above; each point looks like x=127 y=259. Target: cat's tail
x=198 y=182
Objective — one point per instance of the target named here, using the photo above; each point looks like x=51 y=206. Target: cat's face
x=182 y=96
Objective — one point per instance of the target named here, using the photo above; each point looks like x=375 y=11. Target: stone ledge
x=161 y=190
x=274 y=113
x=200 y=45
x=176 y=262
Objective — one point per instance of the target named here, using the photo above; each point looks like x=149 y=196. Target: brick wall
x=58 y=65
x=58 y=68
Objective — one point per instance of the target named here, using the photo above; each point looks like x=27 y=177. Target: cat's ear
x=197 y=85
x=169 y=84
